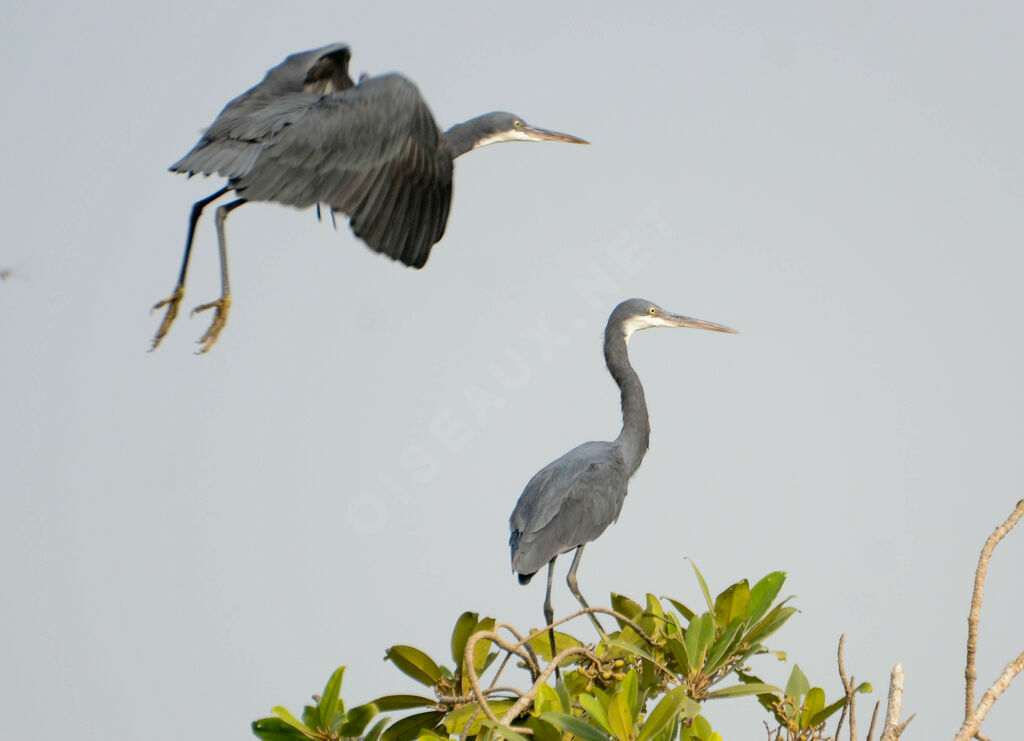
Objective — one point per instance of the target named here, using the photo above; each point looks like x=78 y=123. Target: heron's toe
x=220 y=317
x=171 y=302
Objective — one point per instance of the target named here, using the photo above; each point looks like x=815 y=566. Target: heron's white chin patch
x=635 y=323
x=504 y=136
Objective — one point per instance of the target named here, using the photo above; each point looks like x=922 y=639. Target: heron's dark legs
x=549 y=612
x=571 y=581
x=172 y=301
x=223 y=304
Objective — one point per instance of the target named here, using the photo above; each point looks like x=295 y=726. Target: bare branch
x=590 y=611
x=846 y=689
x=971 y=671
x=970 y=727
x=892 y=729
x=874 y=717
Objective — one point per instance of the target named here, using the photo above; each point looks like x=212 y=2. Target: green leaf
x=456 y=720
x=547 y=699
x=732 y=603
x=574 y=725
x=685 y=611
x=542 y=731
x=723 y=647
x=814 y=703
x=402 y=702
x=619 y=716
x=628 y=687
x=797 y=686
x=771 y=623
x=291 y=720
x=414 y=663
x=703 y=586
x=275 y=729
x=627 y=607
x=430 y=734
x=505 y=732
x=409 y=727
x=700 y=728
x=331 y=697
x=654 y=606
x=374 y=733
x=463 y=630
x=822 y=715
x=665 y=712
x=482 y=647
x=631 y=648
x=763 y=594
x=678 y=650
x=540 y=643
x=739 y=690
x=691 y=708
x=357 y=719
x=864 y=687
x=593 y=706
x=563 y=694
x=311 y=717
x=699 y=635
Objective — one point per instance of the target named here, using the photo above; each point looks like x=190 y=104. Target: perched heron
x=571 y=501
x=307 y=135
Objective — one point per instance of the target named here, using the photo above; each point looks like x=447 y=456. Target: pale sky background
x=187 y=541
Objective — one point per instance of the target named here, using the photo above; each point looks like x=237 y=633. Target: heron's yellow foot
x=171 y=302
x=220 y=318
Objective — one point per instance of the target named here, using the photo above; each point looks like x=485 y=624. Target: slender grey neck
x=636 y=426
x=463 y=137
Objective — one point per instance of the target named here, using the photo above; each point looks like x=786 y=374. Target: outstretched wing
x=371 y=151
x=567 y=503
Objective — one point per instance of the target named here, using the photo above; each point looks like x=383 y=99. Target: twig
x=474 y=680
x=971 y=724
x=523 y=642
x=523 y=702
x=463 y=699
x=893 y=729
x=589 y=611
x=874 y=717
x=848 y=689
x=526 y=698
x=971 y=671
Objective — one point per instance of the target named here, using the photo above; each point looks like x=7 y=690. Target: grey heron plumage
x=307 y=135
x=573 y=499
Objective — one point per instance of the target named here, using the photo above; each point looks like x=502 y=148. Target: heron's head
x=501 y=126
x=636 y=314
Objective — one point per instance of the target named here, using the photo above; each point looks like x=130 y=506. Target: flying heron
x=571 y=501
x=307 y=135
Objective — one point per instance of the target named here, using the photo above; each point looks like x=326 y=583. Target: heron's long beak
x=676 y=320
x=546 y=135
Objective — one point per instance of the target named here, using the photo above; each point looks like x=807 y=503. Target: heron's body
x=573 y=499
x=569 y=502
x=307 y=135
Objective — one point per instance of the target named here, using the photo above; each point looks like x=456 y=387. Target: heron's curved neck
x=465 y=137
x=636 y=427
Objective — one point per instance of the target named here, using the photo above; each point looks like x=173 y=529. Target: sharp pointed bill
x=655 y=316
x=537 y=134
x=307 y=135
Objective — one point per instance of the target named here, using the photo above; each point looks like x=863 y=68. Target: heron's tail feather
x=525 y=578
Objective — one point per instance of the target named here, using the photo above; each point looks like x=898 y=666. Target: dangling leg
x=223 y=304
x=172 y=301
x=549 y=613
x=571 y=581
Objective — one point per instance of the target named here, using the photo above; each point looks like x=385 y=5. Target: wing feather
x=371 y=151
x=566 y=504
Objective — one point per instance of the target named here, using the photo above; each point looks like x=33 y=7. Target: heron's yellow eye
x=517 y=124
x=653 y=310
